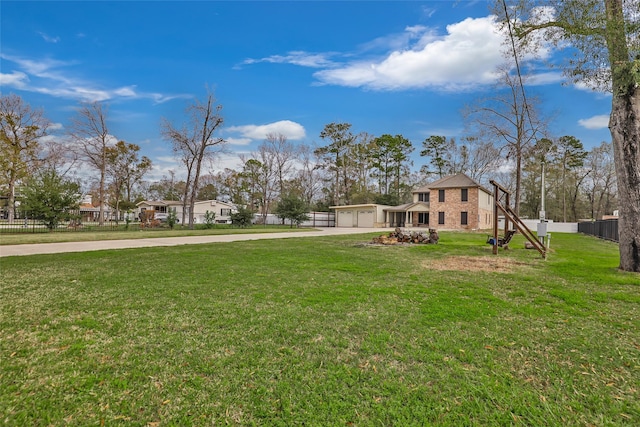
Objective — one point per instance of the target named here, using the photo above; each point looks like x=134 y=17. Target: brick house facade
x=456 y=202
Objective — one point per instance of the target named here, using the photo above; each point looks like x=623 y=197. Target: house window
x=423 y=217
x=441 y=196
x=464 y=218
x=464 y=195
x=423 y=197
x=225 y=212
x=441 y=218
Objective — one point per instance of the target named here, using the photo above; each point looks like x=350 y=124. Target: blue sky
x=397 y=67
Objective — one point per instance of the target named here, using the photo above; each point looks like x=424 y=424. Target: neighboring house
x=222 y=210
x=91 y=213
x=161 y=208
x=455 y=202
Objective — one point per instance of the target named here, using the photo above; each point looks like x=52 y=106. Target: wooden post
x=507 y=204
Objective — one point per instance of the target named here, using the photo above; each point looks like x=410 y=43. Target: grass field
x=322 y=331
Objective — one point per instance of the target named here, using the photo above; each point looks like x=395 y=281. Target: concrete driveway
x=56 y=248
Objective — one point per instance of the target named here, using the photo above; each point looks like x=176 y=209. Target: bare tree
x=512 y=120
x=21 y=128
x=194 y=142
x=480 y=158
x=90 y=133
x=600 y=186
x=283 y=154
x=308 y=175
x=57 y=155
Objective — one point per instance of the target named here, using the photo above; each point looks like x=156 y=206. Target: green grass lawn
x=322 y=331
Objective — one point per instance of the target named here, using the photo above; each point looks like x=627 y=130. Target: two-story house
x=454 y=202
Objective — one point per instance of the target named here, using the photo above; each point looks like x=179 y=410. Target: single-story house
x=222 y=210
x=455 y=202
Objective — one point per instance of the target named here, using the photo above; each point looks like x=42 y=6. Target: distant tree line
x=345 y=168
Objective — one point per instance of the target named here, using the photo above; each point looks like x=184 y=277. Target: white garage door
x=365 y=219
x=345 y=219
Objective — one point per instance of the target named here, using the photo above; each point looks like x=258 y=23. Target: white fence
x=552 y=227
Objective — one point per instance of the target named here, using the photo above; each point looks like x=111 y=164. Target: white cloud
x=463 y=58
x=166 y=159
x=541 y=79
x=401 y=41
x=40 y=68
x=48 y=38
x=291 y=130
x=238 y=141
x=163 y=166
x=428 y=11
x=230 y=161
x=595 y=122
x=16 y=79
x=128 y=91
x=301 y=58
x=54 y=78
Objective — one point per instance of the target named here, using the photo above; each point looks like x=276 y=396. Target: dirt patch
x=468 y=263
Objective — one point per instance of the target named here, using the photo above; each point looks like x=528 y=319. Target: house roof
x=160 y=203
x=364 y=205
x=215 y=202
x=452 y=181
x=410 y=207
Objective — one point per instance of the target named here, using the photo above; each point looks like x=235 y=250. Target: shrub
x=242 y=218
x=209 y=219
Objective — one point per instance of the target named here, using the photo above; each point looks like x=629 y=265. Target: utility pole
x=542 y=225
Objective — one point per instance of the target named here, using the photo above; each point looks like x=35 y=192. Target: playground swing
x=503 y=241
x=500 y=205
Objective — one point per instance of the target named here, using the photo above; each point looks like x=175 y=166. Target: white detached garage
x=360 y=216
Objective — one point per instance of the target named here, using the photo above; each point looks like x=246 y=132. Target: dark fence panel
x=604 y=229
x=27 y=224
x=320 y=219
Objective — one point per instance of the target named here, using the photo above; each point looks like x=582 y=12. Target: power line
x=515 y=57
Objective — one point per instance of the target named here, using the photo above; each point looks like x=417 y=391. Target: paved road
x=56 y=248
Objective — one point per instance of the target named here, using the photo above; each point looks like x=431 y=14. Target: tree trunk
x=624 y=125
x=516 y=207
x=194 y=187
x=11 y=205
